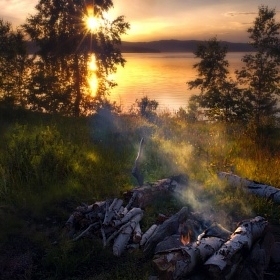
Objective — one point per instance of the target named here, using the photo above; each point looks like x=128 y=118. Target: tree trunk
x=253 y=187
x=224 y=262
x=77 y=87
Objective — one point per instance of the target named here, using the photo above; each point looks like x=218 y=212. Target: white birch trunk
x=180 y=262
x=112 y=210
x=224 y=262
x=127 y=217
x=137 y=234
x=122 y=239
x=251 y=186
x=148 y=234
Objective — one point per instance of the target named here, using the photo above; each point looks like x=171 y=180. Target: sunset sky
x=169 y=19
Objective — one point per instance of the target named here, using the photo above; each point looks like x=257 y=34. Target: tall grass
x=51 y=164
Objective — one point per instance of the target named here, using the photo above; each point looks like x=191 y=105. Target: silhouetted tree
x=147 y=107
x=260 y=77
x=13 y=66
x=64 y=42
x=219 y=97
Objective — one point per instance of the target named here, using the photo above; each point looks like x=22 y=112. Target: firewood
x=215 y=230
x=125 y=234
x=251 y=186
x=177 y=263
x=149 y=192
x=224 y=262
x=111 y=210
x=86 y=231
x=127 y=217
x=148 y=234
x=169 y=227
x=137 y=234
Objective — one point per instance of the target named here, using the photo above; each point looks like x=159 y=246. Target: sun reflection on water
x=92 y=75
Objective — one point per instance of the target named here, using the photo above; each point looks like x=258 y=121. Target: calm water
x=160 y=76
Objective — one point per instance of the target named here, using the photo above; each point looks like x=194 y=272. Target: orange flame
x=186 y=239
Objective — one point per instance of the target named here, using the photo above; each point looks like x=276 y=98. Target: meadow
x=50 y=164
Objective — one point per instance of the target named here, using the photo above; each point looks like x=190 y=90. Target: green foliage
x=59 y=80
x=219 y=95
x=49 y=165
x=14 y=66
x=253 y=96
x=260 y=75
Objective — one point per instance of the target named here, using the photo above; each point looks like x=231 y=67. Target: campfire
x=184 y=244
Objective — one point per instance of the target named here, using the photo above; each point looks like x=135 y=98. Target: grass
x=49 y=165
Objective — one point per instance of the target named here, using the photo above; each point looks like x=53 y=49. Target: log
x=215 y=230
x=149 y=192
x=127 y=217
x=112 y=210
x=179 y=262
x=251 y=186
x=125 y=234
x=257 y=262
x=148 y=234
x=170 y=227
x=224 y=262
x=137 y=234
x=86 y=231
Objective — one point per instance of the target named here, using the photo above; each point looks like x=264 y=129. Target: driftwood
x=224 y=262
x=251 y=186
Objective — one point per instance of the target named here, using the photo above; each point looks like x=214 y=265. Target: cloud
x=232 y=14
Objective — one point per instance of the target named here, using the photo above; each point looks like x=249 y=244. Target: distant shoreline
x=177 y=46
x=161 y=46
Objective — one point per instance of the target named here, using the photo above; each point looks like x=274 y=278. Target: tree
x=14 y=64
x=219 y=97
x=260 y=76
x=147 y=107
x=65 y=43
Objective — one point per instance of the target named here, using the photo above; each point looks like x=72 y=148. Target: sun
x=92 y=23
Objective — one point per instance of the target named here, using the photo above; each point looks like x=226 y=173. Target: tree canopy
x=253 y=94
x=66 y=50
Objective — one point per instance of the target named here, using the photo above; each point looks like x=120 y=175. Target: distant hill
x=166 y=46
x=178 y=46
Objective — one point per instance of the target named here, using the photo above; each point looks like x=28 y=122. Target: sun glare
x=91 y=21
x=92 y=75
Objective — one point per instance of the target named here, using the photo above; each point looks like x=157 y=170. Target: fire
x=92 y=74
x=186 y=238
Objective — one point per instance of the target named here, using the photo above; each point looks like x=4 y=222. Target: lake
x=160 y=76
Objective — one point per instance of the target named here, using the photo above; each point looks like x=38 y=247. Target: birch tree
x=260 y=76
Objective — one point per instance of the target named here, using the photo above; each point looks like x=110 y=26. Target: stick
x=135 y=171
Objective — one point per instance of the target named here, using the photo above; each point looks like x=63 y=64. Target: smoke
x=217 y=206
